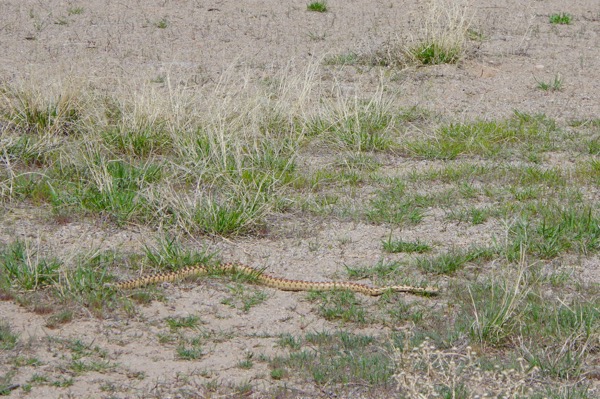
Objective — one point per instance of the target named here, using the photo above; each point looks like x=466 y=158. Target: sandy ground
x=116 y=43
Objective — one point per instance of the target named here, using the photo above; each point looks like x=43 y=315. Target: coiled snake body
x=271 y=281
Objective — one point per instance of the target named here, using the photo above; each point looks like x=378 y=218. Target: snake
x=269 y=281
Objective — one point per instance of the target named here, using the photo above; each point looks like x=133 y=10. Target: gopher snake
x=270 y=281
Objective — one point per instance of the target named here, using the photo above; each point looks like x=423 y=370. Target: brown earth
x=116 y=44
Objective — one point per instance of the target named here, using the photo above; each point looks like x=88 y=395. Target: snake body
x=270 y=281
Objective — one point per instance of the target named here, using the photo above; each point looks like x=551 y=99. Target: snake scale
x=270 y=281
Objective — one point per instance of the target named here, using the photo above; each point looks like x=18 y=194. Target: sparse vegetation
x=338 y=358
x=323 y=172
x=394 y=246
x=128 y=172
x=341 y=305
x=244 y=298
x=453 y=260
x=488 y=138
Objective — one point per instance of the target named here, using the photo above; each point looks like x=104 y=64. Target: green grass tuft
x=176 y=323
x=339 y=305
x=488 y=139
x=8 y=339
x=453 y=260
x=338 y=358
x=554 y=85
x=549 y=230
x=434 y=53
x=393 y=205
x=396 y=246
x=317 y=6
x=22 y=266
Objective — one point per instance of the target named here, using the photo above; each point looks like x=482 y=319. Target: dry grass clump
x=357 y=125
x=426 y=372
x=441 y=36
x=43 y=109
x=443 y=32
x=203 y=159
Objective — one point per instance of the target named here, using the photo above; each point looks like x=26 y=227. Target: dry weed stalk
x=502 y=314
x=425 y=372
x=443 y=33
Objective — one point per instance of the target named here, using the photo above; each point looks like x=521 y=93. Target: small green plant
x=317 y=6
x=160 y=79
x=561 y=19
x=80 y=349
x=114 y=189
x=63 y=382
x=289 y=341
x=62 y=317
x=139 y=141
x=21 y=266
x=359 y=126
x=497 y=308
x=189 y=352
x=396 y=246
x=247 y=363
x=61 y=21
x=316 y=37
x=476 y=35
x=278 y=373
x=339 y=305
x=8 y=339
x=82 y=367
x=75 y=10
x=350 y=58
x=38 y=379
x=443 y=264
x=244 y=298
x=554 y=85
x=176 y=323
x=162 y=24
x=434 y=53
x=5 y=383
x=455 y=392
x=243 y=389
x=84 y=284
x=169 y=254
x=453 y=260
x=234 y=215
x=473 y=215
x=382 y=269
x=593 y=146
